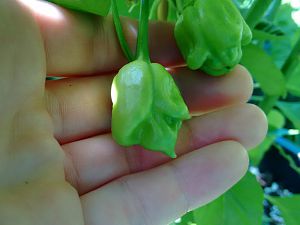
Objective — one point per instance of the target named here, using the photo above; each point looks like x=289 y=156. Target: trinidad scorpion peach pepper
x=147 y=107
x=210 y=35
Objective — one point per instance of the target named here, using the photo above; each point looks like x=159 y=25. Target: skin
x=58 y=162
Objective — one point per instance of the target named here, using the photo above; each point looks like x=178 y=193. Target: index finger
x=78 y=43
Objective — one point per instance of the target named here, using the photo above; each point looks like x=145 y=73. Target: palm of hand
x=34 y=166
x=31 y=171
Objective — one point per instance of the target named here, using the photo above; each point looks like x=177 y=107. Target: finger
x=81 y=107
x=161 y=195
x=204 y=93
x=245 y=124
x=22 y=67
x=78 y=43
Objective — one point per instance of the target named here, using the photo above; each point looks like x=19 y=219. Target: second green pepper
x=210 y=34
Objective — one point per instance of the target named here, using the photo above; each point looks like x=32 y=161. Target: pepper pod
x=148 y=109
x=210 y=35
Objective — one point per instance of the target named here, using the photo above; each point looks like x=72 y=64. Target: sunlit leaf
x=293 y=83
x=258 y=152
x=263 y=70
x=242 y=204
x=280 y=49
x=289 y=158
x=276 y=121
x=263 y=36
x=289 y=208
x=291 y=111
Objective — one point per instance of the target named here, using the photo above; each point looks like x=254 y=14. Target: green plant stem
x=119 y=30
x=268 y=103
x=256 y=98
x=272 y=11
x=142 y=43
x=162 y=10
x=153 y=11
x=256 y=12
x=179 y=6
x=290 y=160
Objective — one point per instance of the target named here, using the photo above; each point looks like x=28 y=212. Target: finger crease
x=99 y=33
x=174 y=170
x=56 y=111
x=138 y=204
x=74 y=176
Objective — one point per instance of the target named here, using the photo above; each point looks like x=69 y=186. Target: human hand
x=58 y=162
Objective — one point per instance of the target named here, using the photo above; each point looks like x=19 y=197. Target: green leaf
x=289 y=158
x=257 y=11
x=242 y=204
x=291 y=111
x=280 y=49
x=256 y=154
x=130 y=8
x=293 y=83
x=264 y=71
x=172 y=12
x=263 y=36
x=187 y=219
x=267 y=30
x=269 y=27
x=91 y=6
x=289 y=208
x=243 y=6
x=276 y=121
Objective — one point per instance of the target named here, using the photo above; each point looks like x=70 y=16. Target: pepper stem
x=142 y=43
x=119 y=30
x=153 y=11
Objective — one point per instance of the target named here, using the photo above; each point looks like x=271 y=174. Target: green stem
x=162 y=10
x=257 y=11
x=179 y=6
x=142 y=43
x=272 y=11
x=268 y=103
x=290 y=160
x=256 y=98
x=153 y=11
x=122 y=40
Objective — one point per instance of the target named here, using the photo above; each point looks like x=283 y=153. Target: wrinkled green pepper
x=210 y=34
x=148 y=109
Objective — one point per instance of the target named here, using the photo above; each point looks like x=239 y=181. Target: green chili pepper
x=147 y=107
x=210 y=34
